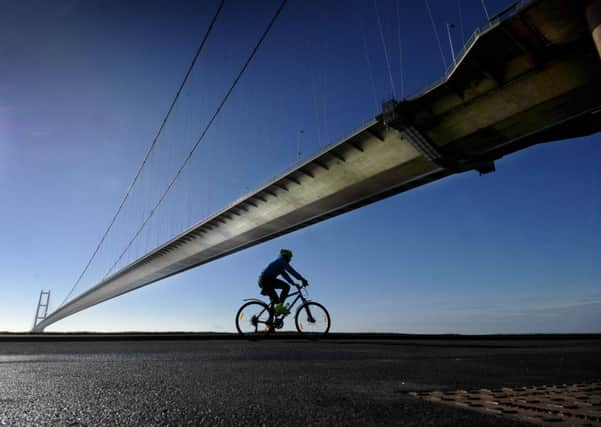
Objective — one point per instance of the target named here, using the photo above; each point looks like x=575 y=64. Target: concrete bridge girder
x=363 y=166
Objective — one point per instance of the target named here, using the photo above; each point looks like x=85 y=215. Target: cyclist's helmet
x=286 y=253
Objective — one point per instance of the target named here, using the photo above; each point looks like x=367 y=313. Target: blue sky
x=84 y=86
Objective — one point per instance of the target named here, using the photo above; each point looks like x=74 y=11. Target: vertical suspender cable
x=150 y=149
x=449 y=26
x=369 y=67
x=402 y=75
x=316 y=106
x=324 y=99
x=385 y=50
x=206 y=129
x=485 y=9
x=444 y=61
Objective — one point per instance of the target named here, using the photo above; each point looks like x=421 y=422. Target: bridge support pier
x=593 y=17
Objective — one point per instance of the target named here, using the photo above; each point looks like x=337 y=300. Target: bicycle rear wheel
x=312 y=320
x=254 y=319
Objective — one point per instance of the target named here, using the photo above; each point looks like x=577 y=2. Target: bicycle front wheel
x=254 y=319
x=312 y=320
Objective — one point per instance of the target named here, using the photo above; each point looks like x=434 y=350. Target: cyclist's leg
x=285 y=287
x=269 y=285
x=273 y=295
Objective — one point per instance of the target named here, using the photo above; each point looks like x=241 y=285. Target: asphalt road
x=344 y=381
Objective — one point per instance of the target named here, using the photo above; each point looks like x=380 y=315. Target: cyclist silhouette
x=269 y=282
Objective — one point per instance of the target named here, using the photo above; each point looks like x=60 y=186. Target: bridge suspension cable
x=444 y=61
x=385 y=49
x=203 y=133
x=400 y=41
x=149 y=150
x=369 y=66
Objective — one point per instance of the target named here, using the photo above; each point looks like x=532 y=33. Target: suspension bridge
x=531 y=75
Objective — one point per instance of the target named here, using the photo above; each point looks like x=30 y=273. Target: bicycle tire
x=254 y=320
x=312 y=320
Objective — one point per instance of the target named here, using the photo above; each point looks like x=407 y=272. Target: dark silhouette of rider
x=269 y=282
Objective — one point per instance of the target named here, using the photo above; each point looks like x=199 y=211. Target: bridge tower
x=42 y=309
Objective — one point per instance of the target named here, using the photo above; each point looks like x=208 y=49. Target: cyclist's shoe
x=281 y=309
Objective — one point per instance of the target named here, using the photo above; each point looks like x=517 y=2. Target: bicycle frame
x=298 y=294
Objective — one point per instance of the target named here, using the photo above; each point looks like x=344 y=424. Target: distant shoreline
x=164 y=336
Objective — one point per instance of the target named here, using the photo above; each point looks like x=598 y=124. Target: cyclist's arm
x=295 y=273
x=287 y=277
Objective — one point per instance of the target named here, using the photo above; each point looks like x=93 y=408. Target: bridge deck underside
x=372 y=162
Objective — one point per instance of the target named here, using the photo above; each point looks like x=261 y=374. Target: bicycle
x=256 y=318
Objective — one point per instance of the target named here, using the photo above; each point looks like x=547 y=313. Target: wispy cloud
x=519 y=307
x=578 y=314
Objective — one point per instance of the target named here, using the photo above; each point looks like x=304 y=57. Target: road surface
x=349 y=380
